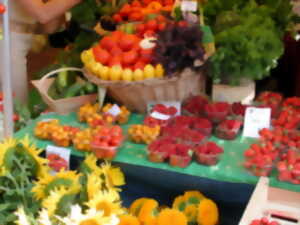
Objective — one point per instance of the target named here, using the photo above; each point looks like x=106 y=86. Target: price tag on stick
x=255 y=120
x=114 y=110
x=63 y=153
x=189 y=6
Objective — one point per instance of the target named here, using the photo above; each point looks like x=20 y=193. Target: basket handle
x=61 y=70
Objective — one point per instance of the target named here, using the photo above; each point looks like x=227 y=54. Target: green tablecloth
x=229 y=169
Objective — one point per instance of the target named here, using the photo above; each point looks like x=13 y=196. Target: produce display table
x=229 y=169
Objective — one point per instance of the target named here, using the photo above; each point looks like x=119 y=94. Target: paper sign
x=114 y=110
x=255 y=120
x=190 y=6
x=177 y=105
x=159 y=116
x=64 y=153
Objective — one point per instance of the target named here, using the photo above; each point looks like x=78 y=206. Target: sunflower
x=136 y=206
x=208 y=213
x=193 y=197
x=45 y=184
x=22 y=217
x=89 y=165
x=5 y=147
x=148 y=211
x=191 y=212
x=171 y=216
x=179 y=203
x=94 y=185
x=56 y=196
x=113 y=175
x=91 y=217
x=129 y=220
x=106 y=201
x=38 y=165
x=33 y=152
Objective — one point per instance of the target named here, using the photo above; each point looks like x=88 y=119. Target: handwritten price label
x=255 y=120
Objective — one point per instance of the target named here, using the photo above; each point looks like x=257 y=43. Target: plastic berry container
x=180 y=161
x=104 y=152
x=226 y=134
x=208 y=159
x=228 y=129
x=157 y=157
x=260 y=171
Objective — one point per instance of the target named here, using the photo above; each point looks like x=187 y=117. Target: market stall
x=126 y=102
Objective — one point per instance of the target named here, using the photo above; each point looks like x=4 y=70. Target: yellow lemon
x=138 y=75
x=115 y=73
x=159 y=70
x=97 y=69
x=104 y=73
x=149 y=71
x=127 y=75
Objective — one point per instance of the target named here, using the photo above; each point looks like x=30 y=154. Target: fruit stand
x=152 y=62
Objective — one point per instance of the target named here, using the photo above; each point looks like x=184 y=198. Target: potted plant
x=248 y=37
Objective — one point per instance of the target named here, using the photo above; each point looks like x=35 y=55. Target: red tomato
x=117 y=18
x=140 y=28
x=125 y=10
x=139 y=65
x=136 y=16
x=146 y=55
x=129 y=58
x=108 y=42
x=152 y=25
x=116 y=51
x=127 y=42
x=101 y=55
x=149 y=33
x=161 y=26
x=136 y=3
x=115 y=61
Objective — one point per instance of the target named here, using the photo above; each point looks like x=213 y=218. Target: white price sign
x=175 y=104
x=64 y=153
x=114 y=110
x=255 y=120
x=189 y=6
x=160 y=116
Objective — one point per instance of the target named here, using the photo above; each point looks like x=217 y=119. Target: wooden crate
x=276 y=204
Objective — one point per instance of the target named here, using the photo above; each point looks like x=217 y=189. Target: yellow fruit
x=159 y=70
x=138 y=75
x=115 y=73
x=104 y=73
x=149 y=71
x=97 y=69
x=127 y=75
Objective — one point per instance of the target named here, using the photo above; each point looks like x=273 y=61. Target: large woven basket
x=136 y=95
x=65 y=105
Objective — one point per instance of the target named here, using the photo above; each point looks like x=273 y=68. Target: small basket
x=136 y=95
x=65 y=105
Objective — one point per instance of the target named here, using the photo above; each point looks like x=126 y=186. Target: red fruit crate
x=276 y=204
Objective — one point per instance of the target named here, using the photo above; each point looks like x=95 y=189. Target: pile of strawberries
x=278 y=145
x=208 y=153
x=217 y=112
x=272 y=100
x=194 y=105
x=264 y=221
x=168 y=148
x=228 y=129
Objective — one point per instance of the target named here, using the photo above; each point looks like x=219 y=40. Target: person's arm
x=52 y=26
x=46 y=12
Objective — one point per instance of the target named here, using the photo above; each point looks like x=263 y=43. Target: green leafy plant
x=248 y=37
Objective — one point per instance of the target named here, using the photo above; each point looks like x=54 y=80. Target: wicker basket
x=136 y=95
x=65 y=105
